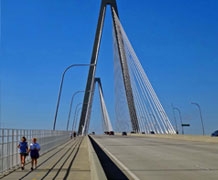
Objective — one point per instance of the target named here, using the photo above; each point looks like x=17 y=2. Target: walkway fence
x=10 y=138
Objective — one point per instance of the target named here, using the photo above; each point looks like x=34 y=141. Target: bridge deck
x=69 y=161
x=127 y=157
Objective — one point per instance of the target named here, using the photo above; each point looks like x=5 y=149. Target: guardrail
x=10 y=138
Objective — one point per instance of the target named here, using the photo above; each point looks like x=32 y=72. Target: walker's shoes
x=31 y=168
x=22 y=168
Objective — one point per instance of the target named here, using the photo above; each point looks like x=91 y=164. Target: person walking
x=23 y=151
x=74 y=134
x=71 y=135
x=34 y=152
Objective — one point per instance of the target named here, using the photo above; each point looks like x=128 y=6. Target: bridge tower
x=86 y=108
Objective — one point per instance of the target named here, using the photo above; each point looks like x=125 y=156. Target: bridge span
x=156 y=157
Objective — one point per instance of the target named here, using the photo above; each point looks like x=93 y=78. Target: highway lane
x=162 y=159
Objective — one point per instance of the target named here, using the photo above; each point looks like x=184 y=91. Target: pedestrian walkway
x=68 y=161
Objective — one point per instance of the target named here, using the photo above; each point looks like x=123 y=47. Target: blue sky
x=175 y=41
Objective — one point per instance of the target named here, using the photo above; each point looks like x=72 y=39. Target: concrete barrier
x=198 y=138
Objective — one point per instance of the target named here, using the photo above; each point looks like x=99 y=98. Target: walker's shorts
x=34 y=154
x=24 y=154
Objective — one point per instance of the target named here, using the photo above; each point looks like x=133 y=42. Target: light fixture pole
x=76 y=118
x=71 y=102
x=175 y=108
x=60 y=89
x=75 y=114
x=194 y=103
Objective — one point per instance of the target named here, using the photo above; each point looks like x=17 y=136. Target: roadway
x=127 y=157
x=160 y=158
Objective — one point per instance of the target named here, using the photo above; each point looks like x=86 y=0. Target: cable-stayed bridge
x=138 y=109
x=137 y=105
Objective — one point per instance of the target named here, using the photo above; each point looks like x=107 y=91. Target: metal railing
x=10 y=138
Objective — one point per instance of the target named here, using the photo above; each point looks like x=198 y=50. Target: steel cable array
x=150 y=113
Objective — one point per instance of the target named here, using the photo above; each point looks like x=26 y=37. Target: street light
x=60 y=89
x=76 y=118
x=175 y=108
x=71 y=102
x=76 y=109
x=200 y=115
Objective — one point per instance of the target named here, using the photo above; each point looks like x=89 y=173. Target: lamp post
x=200 y=115
x=71 y=102
x=175 y=108
x=76 y=111
x=76 y=118
x=60 y=89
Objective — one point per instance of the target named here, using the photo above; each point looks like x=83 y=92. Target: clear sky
x=176 y=42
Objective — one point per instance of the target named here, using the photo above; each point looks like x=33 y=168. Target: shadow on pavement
x=112 y=172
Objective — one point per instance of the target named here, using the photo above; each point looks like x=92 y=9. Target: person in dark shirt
x=74 y=134
x=23 y=151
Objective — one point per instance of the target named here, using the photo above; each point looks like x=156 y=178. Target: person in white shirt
x=34 y=152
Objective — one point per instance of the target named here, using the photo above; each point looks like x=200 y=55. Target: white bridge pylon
x=106 y=119
x=137 y=106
